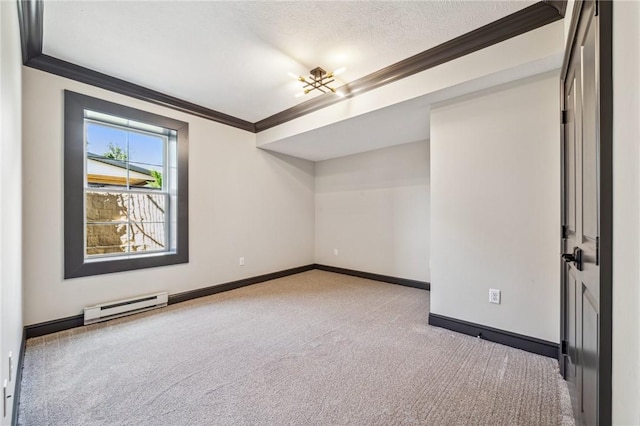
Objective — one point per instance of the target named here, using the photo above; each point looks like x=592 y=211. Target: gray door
x=583 y=328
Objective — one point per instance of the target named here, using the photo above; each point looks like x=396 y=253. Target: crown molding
x=560 y=5
x=30 y=13
x=30 y=16
x=84 y=75
x=530 y=18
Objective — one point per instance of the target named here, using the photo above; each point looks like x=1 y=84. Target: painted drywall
x=374 y=209
x=626 y=213
x=400 y=123
x=528 y=48
x=242 y=202
x=10 y=199
x=495 y=207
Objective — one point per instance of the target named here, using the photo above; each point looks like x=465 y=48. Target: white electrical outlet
x=241 y=261
x=494 y=296
x=335 y=252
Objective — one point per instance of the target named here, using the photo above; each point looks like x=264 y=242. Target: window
x=126 y=188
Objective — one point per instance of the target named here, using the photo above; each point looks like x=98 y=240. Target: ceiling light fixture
x=318 y=80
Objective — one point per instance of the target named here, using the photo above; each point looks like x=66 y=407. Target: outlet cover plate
x=494 y=296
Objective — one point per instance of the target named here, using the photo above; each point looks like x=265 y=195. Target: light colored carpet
x=315 y=348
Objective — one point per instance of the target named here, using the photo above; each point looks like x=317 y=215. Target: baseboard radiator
x=121 y=308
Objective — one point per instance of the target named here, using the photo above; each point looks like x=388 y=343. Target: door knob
x=575 y=257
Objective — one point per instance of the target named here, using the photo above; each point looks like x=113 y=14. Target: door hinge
x=597 y=251
x=564 y=231
x=565 y=116
x=564 y=347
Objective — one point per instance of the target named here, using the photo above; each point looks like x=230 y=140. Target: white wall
x=626 y=213
x=242 y=202
x=495 y=207
x=374 y=208
x=517 y=52
x=10 y=197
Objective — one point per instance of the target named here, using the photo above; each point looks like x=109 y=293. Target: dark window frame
x=75 y=264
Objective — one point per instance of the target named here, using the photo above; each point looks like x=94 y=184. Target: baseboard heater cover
x=121 y=308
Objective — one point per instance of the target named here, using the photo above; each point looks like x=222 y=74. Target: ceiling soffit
x=534 y=16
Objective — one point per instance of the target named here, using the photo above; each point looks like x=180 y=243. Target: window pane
x=147 y=207
x=147 y=236
x=119 y=212
x=107 y=206
x=147 y=156
x=106 y=155
x=106 y=239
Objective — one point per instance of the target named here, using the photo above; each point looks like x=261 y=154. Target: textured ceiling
x=234 y=57
x=401 y=123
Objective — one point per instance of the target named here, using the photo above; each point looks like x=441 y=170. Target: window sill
x=108 y=265
x=117 y=257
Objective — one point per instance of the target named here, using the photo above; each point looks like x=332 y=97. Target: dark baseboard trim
x=67 y=323
x=18 y=379
x=208 y=291
x=518 y=341
x=53 y=326
x=376 y=277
